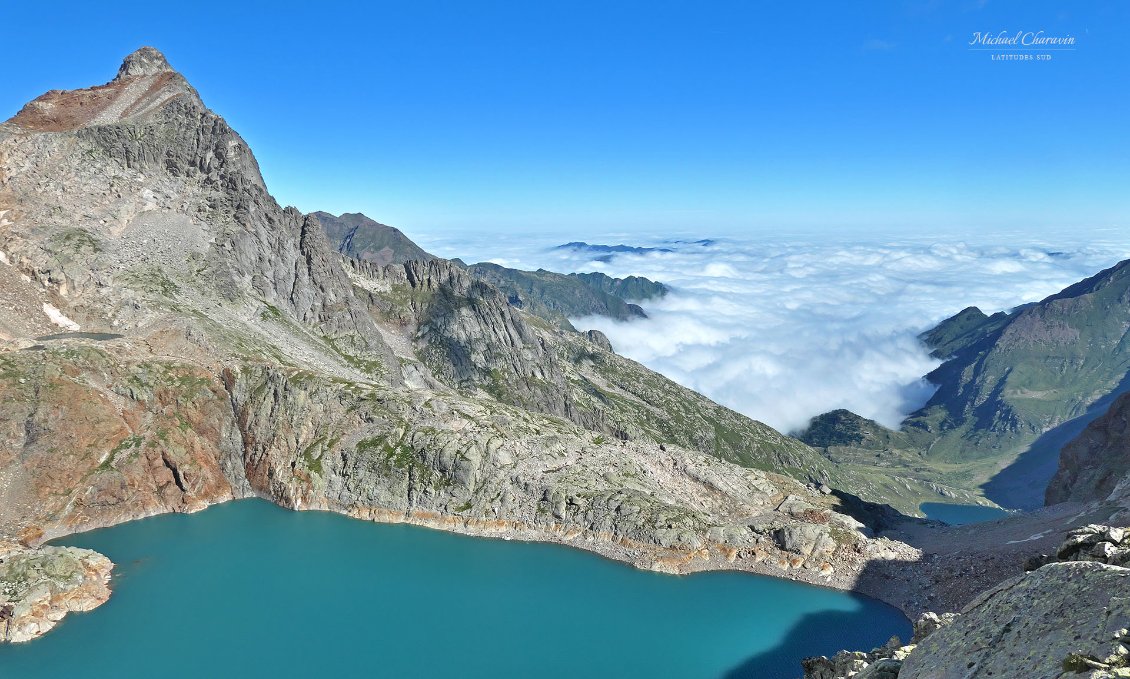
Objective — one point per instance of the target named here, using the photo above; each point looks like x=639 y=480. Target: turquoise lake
x=248 y=589
x=960 y=515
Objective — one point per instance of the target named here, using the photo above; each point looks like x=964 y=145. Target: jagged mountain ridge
x=553 y=296
x=556 y=297
x=218 y=347
x=203 y=209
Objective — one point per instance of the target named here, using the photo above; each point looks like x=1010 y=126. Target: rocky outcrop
x=1068 y=616
x=468 y=336
x=1093 y=464
x=145 y=61
x=1101 y=544
x=1061 y=620
x=38 y=587
x=599 y=339
x=884 y=662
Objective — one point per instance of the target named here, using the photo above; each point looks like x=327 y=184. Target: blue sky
x=652 y=116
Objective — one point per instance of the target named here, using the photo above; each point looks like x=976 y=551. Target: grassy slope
x=1008 y=379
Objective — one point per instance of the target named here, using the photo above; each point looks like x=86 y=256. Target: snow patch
x=1037 y=536
x=4 y=259
x=58 y=318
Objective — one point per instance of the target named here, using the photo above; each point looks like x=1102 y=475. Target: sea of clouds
x=785 y=328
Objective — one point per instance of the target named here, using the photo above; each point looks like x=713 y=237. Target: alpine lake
x=247 y=589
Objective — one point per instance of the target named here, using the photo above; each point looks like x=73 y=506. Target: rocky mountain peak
x=145 y=84
x=143 y=61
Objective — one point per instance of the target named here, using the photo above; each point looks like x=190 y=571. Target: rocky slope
x=175 y=338
x=470 y=337
x=1065 y=619
x=38 y=587
x=1097 y=462
x=1070 y=617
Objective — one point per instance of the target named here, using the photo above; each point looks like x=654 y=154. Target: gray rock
x=802 y=539
x=884 y=668
x=928 y=623
x=599 y=339
x=145 y=61
x=1028 y=626
x=1094 y=542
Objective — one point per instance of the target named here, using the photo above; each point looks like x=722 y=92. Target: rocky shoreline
x=40 y=586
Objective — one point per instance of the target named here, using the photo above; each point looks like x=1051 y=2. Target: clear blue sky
x=652 y=115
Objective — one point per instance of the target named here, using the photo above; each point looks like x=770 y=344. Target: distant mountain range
x=605 y=253
x=1017 y=384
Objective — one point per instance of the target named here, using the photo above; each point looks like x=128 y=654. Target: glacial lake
x=960 y=515
x=248 y=589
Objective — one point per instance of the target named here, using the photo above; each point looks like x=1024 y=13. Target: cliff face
x=1095 y=463
x=468 y=336
x=175 y=339
x=96 y=433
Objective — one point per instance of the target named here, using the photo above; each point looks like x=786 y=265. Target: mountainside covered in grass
x=1013 y=384
x=1010 y=378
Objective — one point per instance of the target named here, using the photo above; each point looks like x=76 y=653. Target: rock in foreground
x=38 y=587
x=1066 y=618
x=1062 y=619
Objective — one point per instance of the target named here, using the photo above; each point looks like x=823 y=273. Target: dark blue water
x=247 y=589
x=960 y=515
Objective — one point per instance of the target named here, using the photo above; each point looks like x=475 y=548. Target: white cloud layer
x=785 y=329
